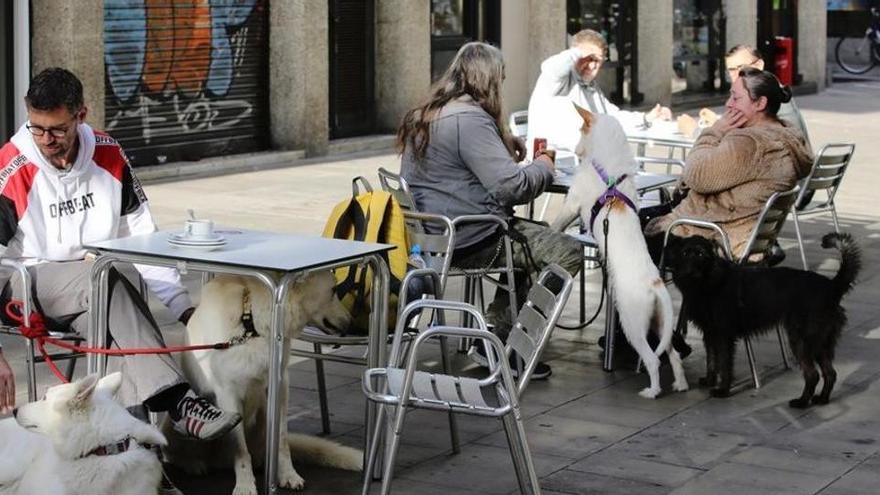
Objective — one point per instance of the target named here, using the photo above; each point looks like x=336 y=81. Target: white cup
x=198 y=228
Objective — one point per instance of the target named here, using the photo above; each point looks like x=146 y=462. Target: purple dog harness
x=610 y=194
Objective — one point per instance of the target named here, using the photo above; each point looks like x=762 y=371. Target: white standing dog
x=642 y=299
x=238 y=377
x=79 y=441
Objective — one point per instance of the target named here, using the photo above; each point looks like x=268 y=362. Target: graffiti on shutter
x=186 y=79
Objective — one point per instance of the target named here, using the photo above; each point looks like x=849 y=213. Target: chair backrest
x=537 y=319
x=399 y=189
x=519 y=123
x=828 y=168
x=436 y=247
x=770 y=222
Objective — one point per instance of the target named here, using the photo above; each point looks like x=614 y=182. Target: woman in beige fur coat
x=739 y=162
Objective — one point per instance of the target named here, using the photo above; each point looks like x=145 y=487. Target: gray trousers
x=61 y=295
x=546 y=246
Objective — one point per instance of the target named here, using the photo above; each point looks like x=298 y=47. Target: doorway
x=352 y=68
x=456 y=22
x=777 y=18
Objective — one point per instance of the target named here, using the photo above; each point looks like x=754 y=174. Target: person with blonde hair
x=459 y=159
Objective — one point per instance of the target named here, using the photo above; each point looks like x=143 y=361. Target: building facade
x=184 y=80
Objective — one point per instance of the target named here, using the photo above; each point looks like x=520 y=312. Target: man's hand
x=186 y=315
x=732 y=119
x=686 y=124
x=659 y=112
x=7 y=387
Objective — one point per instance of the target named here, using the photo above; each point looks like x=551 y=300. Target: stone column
x=299 y=75
x=742 y=25
x=71 y=35
x=655 y=51
x=531 y=30
x=403 y=58
x=811 y=41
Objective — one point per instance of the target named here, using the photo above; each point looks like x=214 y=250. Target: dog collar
x=247 y=317
x=610 y=194
x=115 y=448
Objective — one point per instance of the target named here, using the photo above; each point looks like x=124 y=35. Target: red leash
x=40 y=333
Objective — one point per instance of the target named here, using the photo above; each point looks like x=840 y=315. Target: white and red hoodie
x=48 y=214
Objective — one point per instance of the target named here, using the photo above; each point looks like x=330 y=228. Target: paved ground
x=588 y=430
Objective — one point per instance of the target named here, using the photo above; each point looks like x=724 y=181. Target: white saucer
x=200 y=243
x=180 y=238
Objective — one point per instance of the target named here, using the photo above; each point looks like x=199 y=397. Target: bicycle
x=859 y=55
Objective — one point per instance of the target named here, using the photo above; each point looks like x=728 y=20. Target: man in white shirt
x=571 y=75
x=63 y=185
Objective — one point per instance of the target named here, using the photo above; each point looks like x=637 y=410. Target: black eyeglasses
x=53 y=131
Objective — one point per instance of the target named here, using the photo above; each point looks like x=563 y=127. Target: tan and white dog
x=642 y=299
x=238 y=378
x=78 y=440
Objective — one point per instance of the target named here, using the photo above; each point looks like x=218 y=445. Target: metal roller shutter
x=186 y=79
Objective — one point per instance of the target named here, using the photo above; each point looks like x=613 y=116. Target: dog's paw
x=819 y=400
x=244 y=489
x=799 y=403
x=291 y=480
x=719 y=393
x=680 y=385
x=650 y=393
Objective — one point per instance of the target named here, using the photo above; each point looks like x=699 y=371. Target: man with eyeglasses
x=63 y=184
x=571 y=74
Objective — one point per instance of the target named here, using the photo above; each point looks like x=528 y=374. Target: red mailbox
x=783 y=65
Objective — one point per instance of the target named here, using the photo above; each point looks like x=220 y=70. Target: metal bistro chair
x=827 y=173
x=473 y=277
x=519 y=123
x=401 y=386
x=435 y=251
x=31 y=356
x=767 y=228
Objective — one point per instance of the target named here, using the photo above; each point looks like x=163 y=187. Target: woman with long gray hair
x=459 y=159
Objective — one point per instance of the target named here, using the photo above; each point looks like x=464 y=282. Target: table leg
x=276 y=369
x=97 y=334
x=376 y=349
x=610 y=326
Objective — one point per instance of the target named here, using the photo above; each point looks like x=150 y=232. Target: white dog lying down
x=78 y=440
x=642 y=299
x=238 y=378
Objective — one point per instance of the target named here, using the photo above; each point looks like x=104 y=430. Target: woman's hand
x=547 y=157
x=519 y=149
x=7 y=387
x=732 y=119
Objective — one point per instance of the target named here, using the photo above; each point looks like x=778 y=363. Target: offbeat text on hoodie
x=47 y=214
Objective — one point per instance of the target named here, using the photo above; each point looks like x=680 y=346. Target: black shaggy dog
x=728 y=302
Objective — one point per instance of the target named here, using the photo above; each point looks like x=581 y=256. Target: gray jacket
x=467 y=170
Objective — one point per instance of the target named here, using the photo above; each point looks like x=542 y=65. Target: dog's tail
x=850 y=261
x=323 y=452
x=663 y=310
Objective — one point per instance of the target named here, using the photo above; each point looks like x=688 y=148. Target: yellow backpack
x=369 y=216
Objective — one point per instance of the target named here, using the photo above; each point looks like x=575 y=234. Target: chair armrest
x=441 y=306
x=669 y=162
x=25 y=286
x=479 y=218
x=725 y=241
